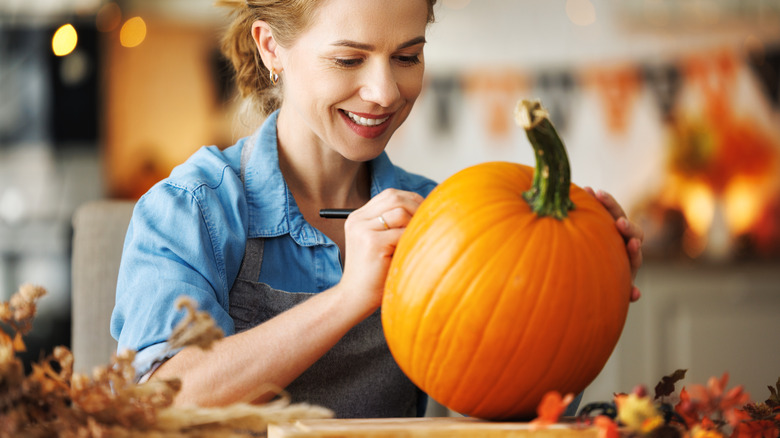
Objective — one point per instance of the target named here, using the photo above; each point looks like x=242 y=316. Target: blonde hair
x=287 y=20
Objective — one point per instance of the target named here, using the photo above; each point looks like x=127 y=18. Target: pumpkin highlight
x=508 y=282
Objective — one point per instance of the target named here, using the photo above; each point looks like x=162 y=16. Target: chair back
x=99 y=229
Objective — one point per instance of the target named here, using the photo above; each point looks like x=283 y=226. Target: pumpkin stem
x=549 y=192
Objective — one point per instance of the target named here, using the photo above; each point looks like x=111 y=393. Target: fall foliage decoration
x=698 y=411
x=508 y=282
x=52 y=400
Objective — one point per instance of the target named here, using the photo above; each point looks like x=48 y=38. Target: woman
x=239 y=230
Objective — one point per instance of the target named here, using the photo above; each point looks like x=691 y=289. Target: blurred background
x=673 y=106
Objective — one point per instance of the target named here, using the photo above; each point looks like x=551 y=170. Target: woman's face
x=352 y=78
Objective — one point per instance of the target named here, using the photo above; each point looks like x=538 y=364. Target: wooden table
x=429 y=427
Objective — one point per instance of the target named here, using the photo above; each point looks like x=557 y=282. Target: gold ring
x=382 y=221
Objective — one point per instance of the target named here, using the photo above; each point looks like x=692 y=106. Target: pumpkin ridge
x=413 y=260
x=530 y=305
x=449 y=271
x=505 y=378
x=451 y=324
x=588 y=244
x=541 y=383
x=608 y=256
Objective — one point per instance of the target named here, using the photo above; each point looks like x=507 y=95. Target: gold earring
x=274 y=77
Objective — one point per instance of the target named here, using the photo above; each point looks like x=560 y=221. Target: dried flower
x=712 y=402
x=701 y=432
x=54 y=401
x=637 y=413
x=703 y=411
x=196 y=328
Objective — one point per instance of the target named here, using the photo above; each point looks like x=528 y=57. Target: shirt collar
x=266 y=191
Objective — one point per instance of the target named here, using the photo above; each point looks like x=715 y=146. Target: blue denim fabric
x=188 y=233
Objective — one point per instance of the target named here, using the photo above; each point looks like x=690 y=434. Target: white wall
x=486 y=37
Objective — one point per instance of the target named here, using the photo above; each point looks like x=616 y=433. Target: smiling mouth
x=362 y=121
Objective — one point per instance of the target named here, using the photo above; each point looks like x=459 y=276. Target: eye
x=408 y=60
x=348 y=62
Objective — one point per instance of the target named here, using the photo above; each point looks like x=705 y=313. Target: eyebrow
x=369 y=47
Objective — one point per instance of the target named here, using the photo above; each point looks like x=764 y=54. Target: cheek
x=410 y=84
x=319 y=91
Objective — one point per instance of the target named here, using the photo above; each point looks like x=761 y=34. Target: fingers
x=390 y=209
x=630 y=230
x=372 y=233
x=635 y=294
x=608 y=202
x=634 y=247
x=632 y=234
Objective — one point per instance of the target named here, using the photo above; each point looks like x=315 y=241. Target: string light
x=133 y=32
x=64 y=40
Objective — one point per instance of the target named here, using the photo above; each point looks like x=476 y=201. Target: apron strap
x=253 y=260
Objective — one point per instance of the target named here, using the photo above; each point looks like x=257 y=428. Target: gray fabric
x=357 y=378
x=99 y=229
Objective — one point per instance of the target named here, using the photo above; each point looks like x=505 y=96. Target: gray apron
x=357 y=378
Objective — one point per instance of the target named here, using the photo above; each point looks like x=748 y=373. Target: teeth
x=362 y=121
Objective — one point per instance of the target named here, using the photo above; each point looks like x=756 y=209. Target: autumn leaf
x=756 y=429
x=687 y=408
x=607 y=428
x=666 y=386
x=550 y=409
x=774 y=399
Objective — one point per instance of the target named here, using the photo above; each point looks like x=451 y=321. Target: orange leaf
x=717 y=386
x=755 y=429
x=550 y=409
x=607 y=427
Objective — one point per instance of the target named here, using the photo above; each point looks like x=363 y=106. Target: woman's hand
x=371 y=235
x=631 y=232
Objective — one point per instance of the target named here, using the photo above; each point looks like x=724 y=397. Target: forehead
x=364 y=20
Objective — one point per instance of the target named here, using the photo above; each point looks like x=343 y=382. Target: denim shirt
x=188 y=234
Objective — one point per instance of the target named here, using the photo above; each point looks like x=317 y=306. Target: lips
x=366 y=125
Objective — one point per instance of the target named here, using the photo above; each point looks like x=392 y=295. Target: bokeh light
x=133 y=32
x=581 y=12
x=698 y=207
x=743 y=202
x=64 y=40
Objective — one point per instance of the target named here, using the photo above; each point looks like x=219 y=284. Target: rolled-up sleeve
x=169 y=251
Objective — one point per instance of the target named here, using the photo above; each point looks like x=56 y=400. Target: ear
x=266 y=45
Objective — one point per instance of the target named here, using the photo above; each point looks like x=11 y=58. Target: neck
x=319 y=177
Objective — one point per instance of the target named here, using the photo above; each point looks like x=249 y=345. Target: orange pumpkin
x=507 y=283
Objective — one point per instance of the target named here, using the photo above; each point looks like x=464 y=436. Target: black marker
x=336 y=213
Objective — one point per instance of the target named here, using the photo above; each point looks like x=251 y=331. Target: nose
x=380 y=86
